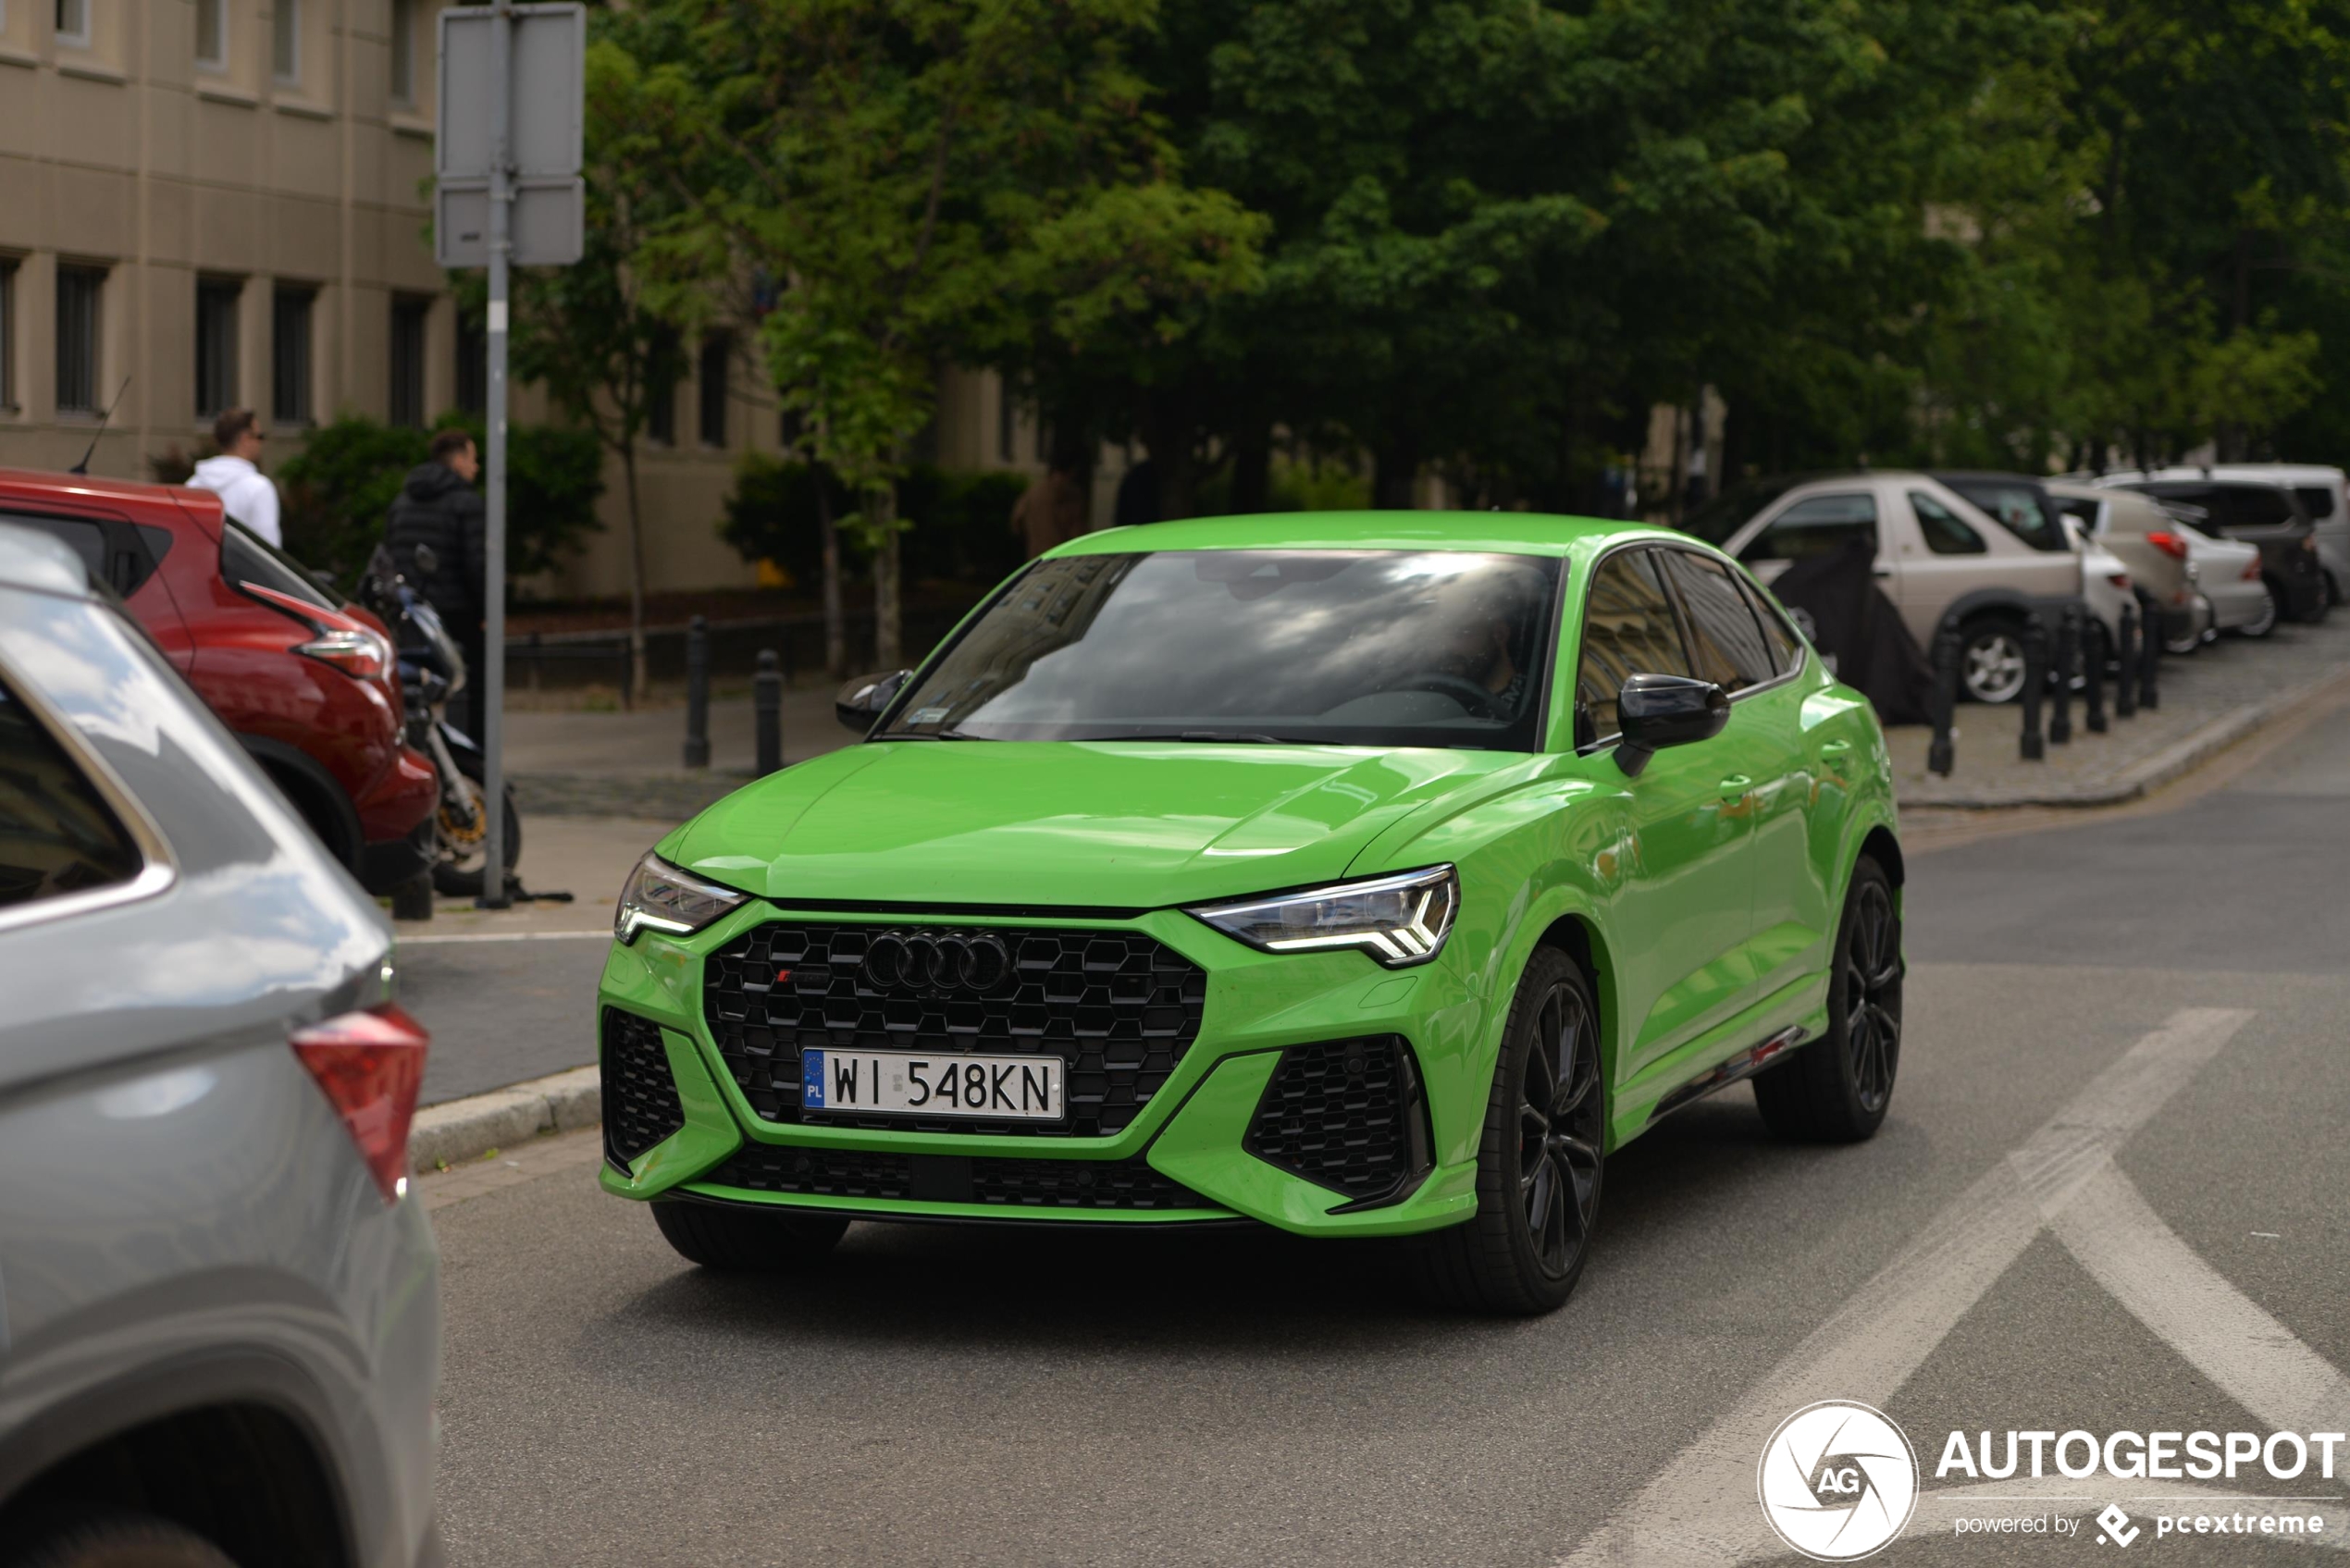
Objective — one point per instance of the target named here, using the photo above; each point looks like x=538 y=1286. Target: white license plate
x=901 y=1083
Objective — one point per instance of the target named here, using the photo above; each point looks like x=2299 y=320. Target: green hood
x=1125 y=824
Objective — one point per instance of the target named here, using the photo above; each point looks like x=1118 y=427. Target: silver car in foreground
x=219 y=1323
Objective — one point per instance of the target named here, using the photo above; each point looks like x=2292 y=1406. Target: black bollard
x=1942 y=751
x=2068 y=653
x=2150 y=659
x=2093 y=678
x=767 y=705
x=2125 y=666
x=2035 y=677
x=698 y=692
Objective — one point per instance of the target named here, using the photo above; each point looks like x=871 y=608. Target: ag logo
x=1838 y=1480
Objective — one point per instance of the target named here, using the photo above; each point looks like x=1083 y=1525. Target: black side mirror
x=859 y=703
x=1656 y=712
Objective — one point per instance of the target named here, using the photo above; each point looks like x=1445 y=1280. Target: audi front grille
x=1117 y=1008
x=1345 y=1114
x=640 y=1099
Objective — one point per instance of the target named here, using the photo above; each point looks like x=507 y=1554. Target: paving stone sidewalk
x=626 y=764
x=2208 y=701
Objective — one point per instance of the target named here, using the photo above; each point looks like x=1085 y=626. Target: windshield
x=1341 y=647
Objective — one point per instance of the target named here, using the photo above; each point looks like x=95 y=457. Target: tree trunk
x=835 y=633
x=640 y=675
x=881 y=511
x=1252 y=469
x=1167 y=429
x=1395 y=469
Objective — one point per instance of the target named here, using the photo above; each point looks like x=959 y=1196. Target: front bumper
x=1196 y=1151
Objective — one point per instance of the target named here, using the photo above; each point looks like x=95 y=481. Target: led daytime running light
x=1412 y=932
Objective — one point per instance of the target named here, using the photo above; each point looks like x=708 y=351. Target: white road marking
x=603 y=931
x=1702 y=1508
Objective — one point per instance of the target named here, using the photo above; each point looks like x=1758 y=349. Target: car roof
x=156 y=502
x=1512 y=533
x=31 y=559
x=2276 y=472
x=2004 y=477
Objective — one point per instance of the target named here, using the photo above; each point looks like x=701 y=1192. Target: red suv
x=309 y=685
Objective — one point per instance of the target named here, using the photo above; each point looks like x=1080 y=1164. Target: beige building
x=224 y=203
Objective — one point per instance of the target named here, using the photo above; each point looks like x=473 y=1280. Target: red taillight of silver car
x=2167 y=543
x=371 y=1066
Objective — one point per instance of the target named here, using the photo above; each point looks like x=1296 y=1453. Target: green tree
x=915 y=177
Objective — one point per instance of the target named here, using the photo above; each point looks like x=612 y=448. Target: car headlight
x=1399 y=920
x=659 y=897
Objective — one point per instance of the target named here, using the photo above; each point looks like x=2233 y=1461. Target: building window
x=73 y=21
x=7 y=333
x=212 y=34
x=77 y=298
x=473 y=364
x=661 y=392
x=403 y=51
x=717 y=352
x=408 y=318
x=215 y=347
x=290 y=355
x=285 y=40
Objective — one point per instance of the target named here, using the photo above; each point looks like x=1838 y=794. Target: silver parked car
x=1936 y=554
x=2323 y=492
x=219 y=1321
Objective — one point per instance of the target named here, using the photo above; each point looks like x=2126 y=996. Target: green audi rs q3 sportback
x=1361 y=874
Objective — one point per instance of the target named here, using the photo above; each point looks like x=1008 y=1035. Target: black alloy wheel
x=1542 y=1159
x=1837 y=1089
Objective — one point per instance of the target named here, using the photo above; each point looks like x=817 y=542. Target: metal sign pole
x=495 y=892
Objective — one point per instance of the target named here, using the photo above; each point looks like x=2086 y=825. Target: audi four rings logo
x=941 y=961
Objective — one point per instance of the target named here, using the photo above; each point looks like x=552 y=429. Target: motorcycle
x=432 y=670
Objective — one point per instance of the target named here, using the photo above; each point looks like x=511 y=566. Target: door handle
x=1735 y=785
x=1882 y=570
x=1834 y=749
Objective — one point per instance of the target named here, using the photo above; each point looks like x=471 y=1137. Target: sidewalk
x=2209 y=702
x=632 y=764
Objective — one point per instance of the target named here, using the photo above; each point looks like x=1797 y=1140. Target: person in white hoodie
x=245 y=492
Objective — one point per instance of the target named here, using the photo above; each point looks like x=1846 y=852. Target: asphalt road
x=2167 y=991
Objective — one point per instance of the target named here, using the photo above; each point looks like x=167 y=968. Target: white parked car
x=1936 y=554
x=2227 y=579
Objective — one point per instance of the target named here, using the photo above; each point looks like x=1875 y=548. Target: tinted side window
x=1821 y=526
x=2316 y=500
x=1786 y=652
x=1725 y=642
x=57 y=833
x=246 y=558
x=2250 y=506
x=120 y=556
x=2017 y=507
x=1946 y=533
x=1629 y=629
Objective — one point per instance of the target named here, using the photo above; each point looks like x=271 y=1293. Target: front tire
x=1991 y=661
x=1540 y=1159
x=116 y=1541
x=1837 y=1089
x=464 y=847
x=2265 y=623
x=747 y=1240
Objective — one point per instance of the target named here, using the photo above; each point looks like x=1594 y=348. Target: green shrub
x=339 y=487
x=961 y=522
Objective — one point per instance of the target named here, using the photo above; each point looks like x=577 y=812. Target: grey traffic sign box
x=549 y=45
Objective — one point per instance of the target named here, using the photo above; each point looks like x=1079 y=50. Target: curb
x=2180 y=757
x=458 y=1131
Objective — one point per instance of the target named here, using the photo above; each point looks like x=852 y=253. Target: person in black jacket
x=439 y=507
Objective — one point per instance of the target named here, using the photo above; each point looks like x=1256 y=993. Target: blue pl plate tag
x=812 y=1081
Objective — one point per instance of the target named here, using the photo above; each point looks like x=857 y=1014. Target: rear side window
x=2020 y=509
x=1819 y=525
x=1725 y=642
x=1945 y=532
x=245 y=557
x=2316 y=500
x=1629 y=629
x=1785 y=651
x=120 y=556
x=2234 y=506
x=58 y=834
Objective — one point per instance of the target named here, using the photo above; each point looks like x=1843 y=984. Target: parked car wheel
x=2266 y=620
x=747 y=1240
x=1991 y=659
x=1540 y=1162
x=2187 y=638
x=1837 y=1089
x=118 y=1540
